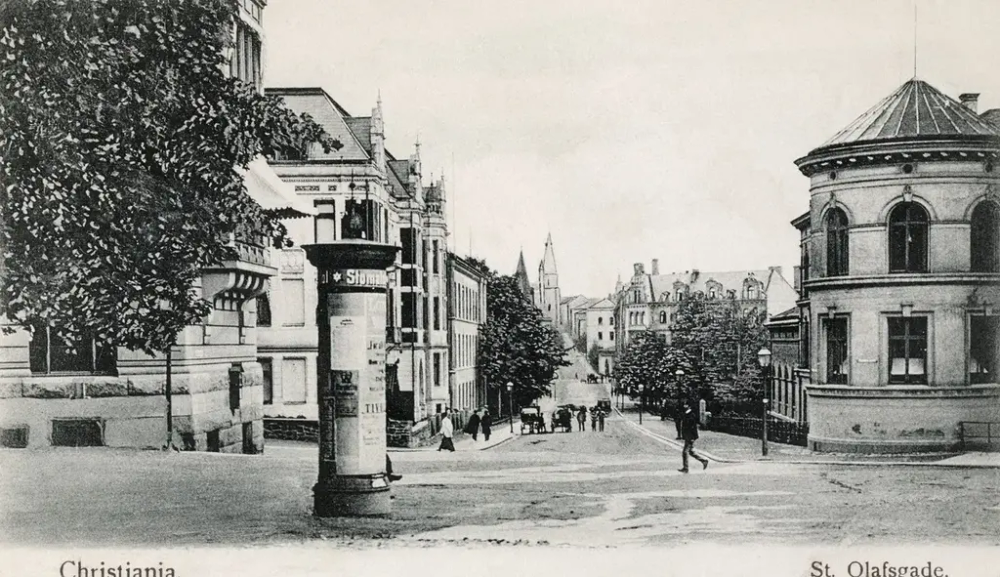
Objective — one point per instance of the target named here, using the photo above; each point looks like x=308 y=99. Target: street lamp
x=764 y=358
x=642 y=402
x=679 y=375
x=510 y=401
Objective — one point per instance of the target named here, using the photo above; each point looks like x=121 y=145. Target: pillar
x=351 y=320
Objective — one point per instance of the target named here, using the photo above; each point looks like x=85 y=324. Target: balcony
x=240 y=278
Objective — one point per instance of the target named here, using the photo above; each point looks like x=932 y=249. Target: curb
x=678 y=446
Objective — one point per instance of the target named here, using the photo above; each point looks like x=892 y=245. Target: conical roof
x=915 y=110
x=549 y=260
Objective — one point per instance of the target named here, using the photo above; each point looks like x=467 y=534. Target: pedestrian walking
x=689 y=430
x=472 y=427
x=600 y=419
x=593 y=419
x=581 y=419
x=486 y=422
x=447 y=431
x=678 y=420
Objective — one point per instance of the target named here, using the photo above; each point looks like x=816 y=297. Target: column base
x=352 y=496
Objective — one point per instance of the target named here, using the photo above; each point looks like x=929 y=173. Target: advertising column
x=351 y=319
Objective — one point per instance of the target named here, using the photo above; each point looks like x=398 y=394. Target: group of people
x=476 y=424
x=597 y=416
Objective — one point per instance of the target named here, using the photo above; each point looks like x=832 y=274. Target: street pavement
x=589 y=488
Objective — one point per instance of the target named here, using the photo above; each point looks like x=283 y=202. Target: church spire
x=549 y=260
x=522 y=277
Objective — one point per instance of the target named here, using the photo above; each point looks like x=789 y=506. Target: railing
x=778 y=431
x=972 y=434
x=787 y=392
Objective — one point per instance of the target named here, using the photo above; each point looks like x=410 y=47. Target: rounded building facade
x=901 y=297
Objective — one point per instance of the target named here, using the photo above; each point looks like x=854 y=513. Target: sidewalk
x=463 y=442
x=726 y=448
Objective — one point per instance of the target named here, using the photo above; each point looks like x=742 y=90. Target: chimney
x=969 y=100
x=656 y=266
x=694 y=276
x=638 y=269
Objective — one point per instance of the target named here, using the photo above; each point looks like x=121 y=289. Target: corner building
x=901 y=276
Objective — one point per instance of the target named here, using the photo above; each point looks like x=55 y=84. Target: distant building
x=900 y=275
x=601 y=334
x=544 y=294
x=573 y=313
x=650 y=300
x=548 y=294
x=466 y=315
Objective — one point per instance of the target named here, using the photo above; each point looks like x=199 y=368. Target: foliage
x=724 y=340
x=120 y=135
x=518 y=346
x=594 y=357
x=650 y=363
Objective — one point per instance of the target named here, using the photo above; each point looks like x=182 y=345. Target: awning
x=273 y=195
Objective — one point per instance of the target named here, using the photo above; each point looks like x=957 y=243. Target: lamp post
x=642 y=402
x=764 y=358
x=678 y=375
x=510 y=401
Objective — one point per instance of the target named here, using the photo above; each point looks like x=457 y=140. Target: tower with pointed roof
x=900 y=283
x=549 y=296
x=521 y=274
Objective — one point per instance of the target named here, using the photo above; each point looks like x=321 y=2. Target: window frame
x=837 y=242
x=907 y=338
x=95 y=357
x=843 y=339
x=900 y=220
x=984 y=251
x=983 y=377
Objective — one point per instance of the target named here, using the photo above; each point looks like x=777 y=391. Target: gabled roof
x=601 y=304
x=915 y=110
x=325 y=111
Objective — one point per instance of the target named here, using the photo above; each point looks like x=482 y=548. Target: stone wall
x=291 y=429
x=895 y=419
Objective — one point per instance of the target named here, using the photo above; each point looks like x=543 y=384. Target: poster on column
x=357 y=364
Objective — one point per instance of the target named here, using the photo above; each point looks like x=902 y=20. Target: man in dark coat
x=472 y=427
x=689 y=430
x=486 y=422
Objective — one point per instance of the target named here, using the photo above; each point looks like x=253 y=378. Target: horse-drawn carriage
x=532 y=419
x=563 y=418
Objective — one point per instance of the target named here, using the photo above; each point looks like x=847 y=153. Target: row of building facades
x=254 y=356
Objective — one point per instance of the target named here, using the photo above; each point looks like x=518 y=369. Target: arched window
x=985 y=248
x=908 y=225
x=836 y=243
x=663 y=317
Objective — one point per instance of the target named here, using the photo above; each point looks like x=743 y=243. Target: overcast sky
x=630 y=130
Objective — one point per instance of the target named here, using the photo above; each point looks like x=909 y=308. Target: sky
x=629 y=130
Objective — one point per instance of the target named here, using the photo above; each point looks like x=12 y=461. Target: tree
x=120 y=136
x=650 y=362
x=594 y=357
x=723 y=340
x=517 y=345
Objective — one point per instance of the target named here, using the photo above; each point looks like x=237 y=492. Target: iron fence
x=778 y=431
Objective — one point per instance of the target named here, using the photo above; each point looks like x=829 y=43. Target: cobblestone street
x=584 y=488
